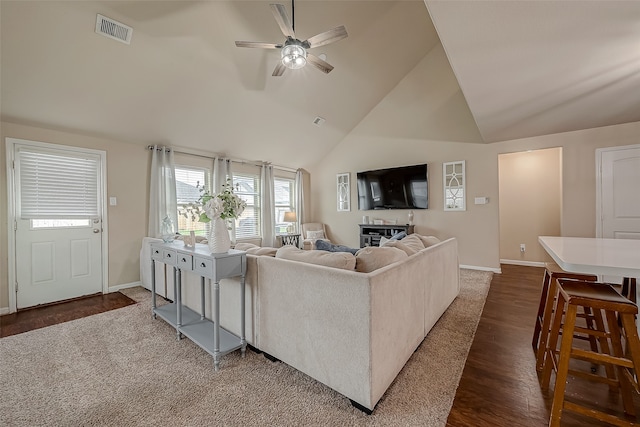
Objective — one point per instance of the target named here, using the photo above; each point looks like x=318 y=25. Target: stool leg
x=551 y=291
x=629 y=288
x=633 y=344
x=604 y=347
x=552 y=343
x=541 y=309
x=563 y=364
x=616 y=343
x=589 y=319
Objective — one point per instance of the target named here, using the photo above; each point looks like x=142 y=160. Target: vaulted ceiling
x=525 y=69
x=530 y=68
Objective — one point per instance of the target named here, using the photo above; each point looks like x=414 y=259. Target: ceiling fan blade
x=282 y=18
x=327 y=37
x=321 y=65
x=261 y=45
x=279 y=70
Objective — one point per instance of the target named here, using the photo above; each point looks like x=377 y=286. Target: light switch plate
x=113 y=201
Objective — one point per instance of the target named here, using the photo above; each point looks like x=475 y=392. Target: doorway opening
x=530 y=193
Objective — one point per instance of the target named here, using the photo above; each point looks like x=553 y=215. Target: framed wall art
x=454 y=186
x=344 y=192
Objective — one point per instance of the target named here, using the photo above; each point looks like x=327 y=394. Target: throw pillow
x=399 y=245
x=343 y=260
x=372 y=258
x=324 y=245
x=319 y=234
x=399 y=236
x=414 y=242
x=428 y=240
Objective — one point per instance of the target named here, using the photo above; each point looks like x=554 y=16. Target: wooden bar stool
x=620 y=327
x=552 y=272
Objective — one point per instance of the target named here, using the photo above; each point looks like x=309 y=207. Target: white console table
x=204 y=332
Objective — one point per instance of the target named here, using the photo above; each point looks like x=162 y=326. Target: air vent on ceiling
x=113 y=29
x=318 y=121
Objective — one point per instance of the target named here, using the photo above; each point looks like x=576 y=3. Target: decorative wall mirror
x=454 y=186
x=344 y=194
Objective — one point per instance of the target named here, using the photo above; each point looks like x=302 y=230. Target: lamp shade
x=290 y=217
x=294 y=56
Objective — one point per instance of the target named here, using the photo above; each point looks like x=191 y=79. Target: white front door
x=57 y=260
x=57 y=199
x=619 y=193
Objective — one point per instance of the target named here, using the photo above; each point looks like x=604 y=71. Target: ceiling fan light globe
x=294 y=56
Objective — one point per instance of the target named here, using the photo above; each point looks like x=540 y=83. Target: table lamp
x=290 y=217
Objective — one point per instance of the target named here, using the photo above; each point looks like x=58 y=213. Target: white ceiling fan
x=294 y=52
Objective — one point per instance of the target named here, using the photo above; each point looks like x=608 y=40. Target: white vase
x=219 y=241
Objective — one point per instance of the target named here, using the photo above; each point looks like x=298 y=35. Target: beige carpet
x=123 y=368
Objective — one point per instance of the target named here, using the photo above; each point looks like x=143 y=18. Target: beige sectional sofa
x=351 y=330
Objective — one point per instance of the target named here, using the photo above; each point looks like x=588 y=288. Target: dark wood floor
x=499 y=385
x=47 y=315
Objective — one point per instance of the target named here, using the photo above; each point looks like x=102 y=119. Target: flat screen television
x=403 y=187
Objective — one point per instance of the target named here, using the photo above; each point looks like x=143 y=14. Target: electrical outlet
x=522 y=247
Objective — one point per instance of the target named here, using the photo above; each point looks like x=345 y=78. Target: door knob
x=96 y=230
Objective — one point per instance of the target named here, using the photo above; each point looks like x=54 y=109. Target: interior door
x=620 y=193
x=618 y=214
x=58 y=223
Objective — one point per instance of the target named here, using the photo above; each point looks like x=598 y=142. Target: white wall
x=425 y=119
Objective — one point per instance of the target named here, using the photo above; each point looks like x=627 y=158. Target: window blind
x=53 y=185
x=247 y=187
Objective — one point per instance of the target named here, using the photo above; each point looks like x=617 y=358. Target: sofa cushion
x=324 y=245
x=245 y=246
x=343 y=260
x=266 y=251
x=411 y=244
x=252 y=249
x=428 y=240
x=372 y=258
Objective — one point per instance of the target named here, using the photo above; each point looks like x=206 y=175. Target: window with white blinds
x=247 y=187
x=284 y=193
x=53 y=185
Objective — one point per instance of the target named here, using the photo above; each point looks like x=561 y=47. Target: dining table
x=594 y=255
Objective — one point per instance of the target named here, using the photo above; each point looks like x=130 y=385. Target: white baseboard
x=4 y=310
x=525 y=263
x=475 y=267
x=116 y=288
